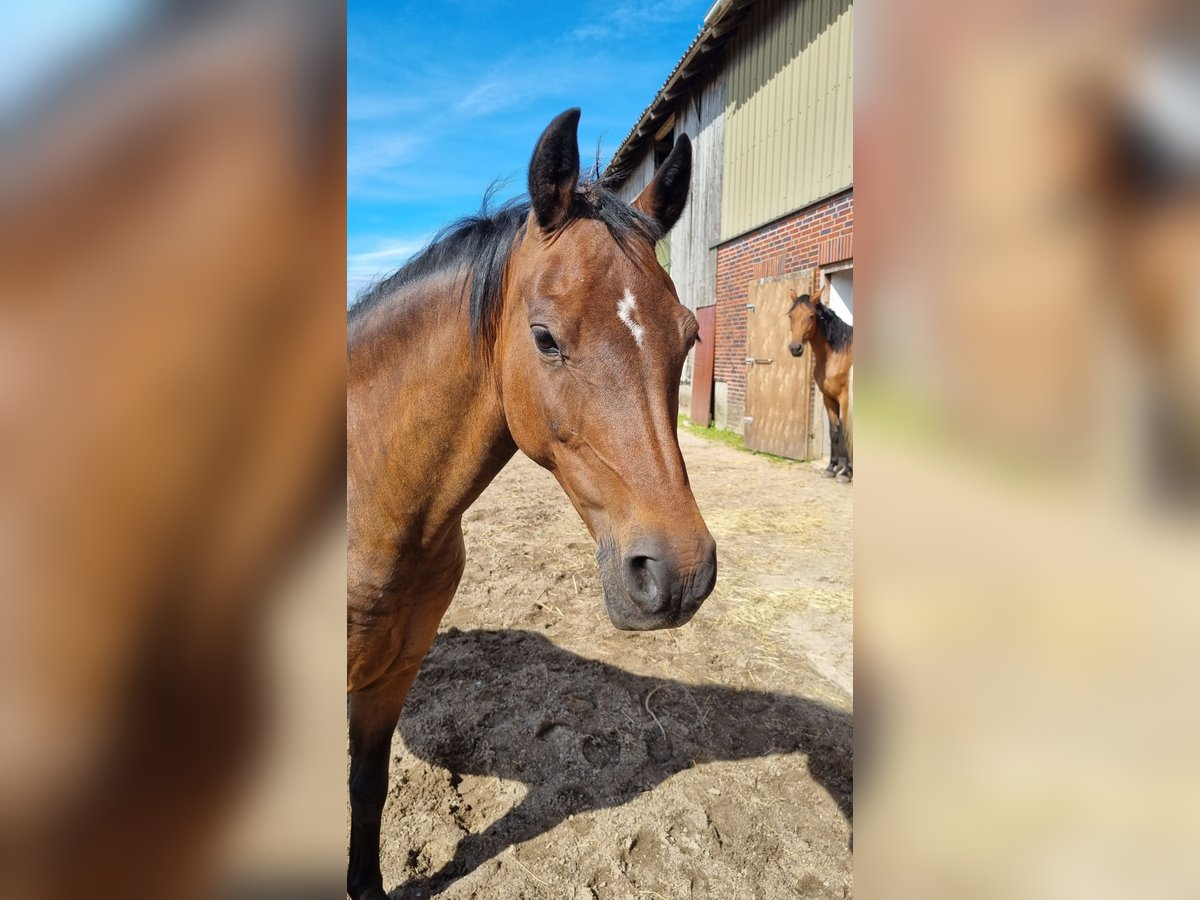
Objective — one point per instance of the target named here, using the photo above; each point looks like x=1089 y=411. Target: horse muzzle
x=796 y=349
x=648 y=585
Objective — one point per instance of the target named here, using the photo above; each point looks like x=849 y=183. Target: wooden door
x=702 y=366
x=778 y=385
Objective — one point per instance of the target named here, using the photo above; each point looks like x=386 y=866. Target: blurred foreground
x=171 y=435
x=171 y=447
x=1028 y=487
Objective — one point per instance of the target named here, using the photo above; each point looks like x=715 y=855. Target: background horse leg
x=835 y=435
x=846 y=432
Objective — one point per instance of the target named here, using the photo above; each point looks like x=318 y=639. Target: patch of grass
x=712 y=433
x=731 y=439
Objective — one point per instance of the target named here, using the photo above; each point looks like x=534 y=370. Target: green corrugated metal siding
x=789 y=120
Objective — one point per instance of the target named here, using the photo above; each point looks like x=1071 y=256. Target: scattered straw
x=700 y=712
x=513 y=854
x=652 y=715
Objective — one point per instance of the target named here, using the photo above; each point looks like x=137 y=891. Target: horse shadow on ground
x=513 y=705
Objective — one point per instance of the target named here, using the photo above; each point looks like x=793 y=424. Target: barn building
x=765 y=93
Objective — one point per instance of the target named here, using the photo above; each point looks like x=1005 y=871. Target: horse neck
x=426 y=426
x=821 y=349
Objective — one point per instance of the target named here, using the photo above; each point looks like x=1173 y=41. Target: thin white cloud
x=367 y=108
x=385 y=256
x=624 y=19
x=593 y=32
x=379 y=152
x=492 y=94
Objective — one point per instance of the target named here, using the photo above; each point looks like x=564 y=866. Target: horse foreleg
x=384 y=659
x=374 y=712
x=835 y=435
x=372 y=723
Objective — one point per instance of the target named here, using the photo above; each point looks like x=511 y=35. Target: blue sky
x=443 y=98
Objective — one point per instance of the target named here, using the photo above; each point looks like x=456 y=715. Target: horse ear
x=664 y=197
x=554 y=170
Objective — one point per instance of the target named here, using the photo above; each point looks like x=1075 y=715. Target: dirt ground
x=544 y=754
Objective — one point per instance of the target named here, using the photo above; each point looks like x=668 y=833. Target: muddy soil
x=543 y=754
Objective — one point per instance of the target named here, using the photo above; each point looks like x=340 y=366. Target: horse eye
x=545 y=341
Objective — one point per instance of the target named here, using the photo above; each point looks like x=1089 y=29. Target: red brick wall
x=816 y=236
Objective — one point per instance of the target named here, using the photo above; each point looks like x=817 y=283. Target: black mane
x=476 y=249
x=837 y=333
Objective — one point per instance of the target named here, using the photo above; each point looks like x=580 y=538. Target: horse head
x=589 y=351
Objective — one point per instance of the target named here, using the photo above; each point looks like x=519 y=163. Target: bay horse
x=832 y=341
x=546 y=326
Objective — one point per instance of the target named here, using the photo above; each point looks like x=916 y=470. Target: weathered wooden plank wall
x=693 y=254
x=692 y=251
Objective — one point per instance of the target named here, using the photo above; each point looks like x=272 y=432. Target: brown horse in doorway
x=832 y=342
x=546 y=326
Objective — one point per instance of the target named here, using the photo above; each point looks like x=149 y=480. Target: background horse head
x=804 y=318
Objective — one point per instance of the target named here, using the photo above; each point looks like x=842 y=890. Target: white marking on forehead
x=625 y=309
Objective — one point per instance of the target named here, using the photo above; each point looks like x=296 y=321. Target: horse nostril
x=637 y=571
x=645 y=579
